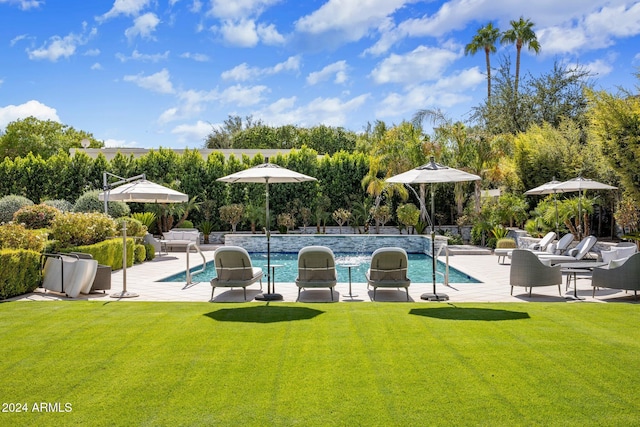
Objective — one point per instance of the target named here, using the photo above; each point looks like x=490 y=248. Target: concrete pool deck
x=143 y=279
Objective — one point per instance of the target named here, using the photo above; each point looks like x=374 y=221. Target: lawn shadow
x=462 y=313
x=263 y=314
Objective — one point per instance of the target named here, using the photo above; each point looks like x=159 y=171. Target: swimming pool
x=419 y=269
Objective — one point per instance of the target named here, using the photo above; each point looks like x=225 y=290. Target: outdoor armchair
x=388 y=270
x=528 y=270
x=619 y=274
x=316 y=269
x=234 y=269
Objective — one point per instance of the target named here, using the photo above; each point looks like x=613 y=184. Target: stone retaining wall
x=350 y=243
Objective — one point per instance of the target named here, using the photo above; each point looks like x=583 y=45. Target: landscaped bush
x=109 y=252
x=134 y=227
x=150 y=252
x=140 y=254
x=60 y=204
x=186 y=224
x=16 y=236
x=20 y=272
x=11 y=204
x=89 y=202
x=74 y=229
x=506 y=242
x=36 y=216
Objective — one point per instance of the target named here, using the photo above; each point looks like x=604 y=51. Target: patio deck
x=494 y=287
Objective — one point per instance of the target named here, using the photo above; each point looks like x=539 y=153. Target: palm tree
x=521 y=33
x=485 y=39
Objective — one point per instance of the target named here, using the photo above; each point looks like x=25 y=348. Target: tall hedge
x=20 y=272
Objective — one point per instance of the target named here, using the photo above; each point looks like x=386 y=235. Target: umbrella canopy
x=580 y=184
x=267 y=173
x=432 y=173
x=143 y=191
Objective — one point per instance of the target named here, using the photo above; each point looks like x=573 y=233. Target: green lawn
x=169 y=364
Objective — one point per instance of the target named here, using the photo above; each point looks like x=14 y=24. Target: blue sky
x=152 y=73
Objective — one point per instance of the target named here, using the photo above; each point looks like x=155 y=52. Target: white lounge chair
x=388 y=270
x=316 y=269
x=528 y=270
x=573 y=254
x=542 y=244
x=234 y=269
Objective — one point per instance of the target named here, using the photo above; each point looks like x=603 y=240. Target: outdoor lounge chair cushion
x=69 y=275
x=316 y=268
x=234 y=269
x=388 y=269
x=542 y=244
x=618 y=253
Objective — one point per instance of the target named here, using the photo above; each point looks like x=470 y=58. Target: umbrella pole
x=124 y=293
x=433 y=296
x=269 y=296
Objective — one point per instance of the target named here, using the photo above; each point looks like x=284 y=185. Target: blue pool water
x=419 y=269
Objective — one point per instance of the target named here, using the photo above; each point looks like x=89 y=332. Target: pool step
x=468 y=250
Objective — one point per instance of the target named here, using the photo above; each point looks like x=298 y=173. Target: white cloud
x=269 y=35
x=159 y=82
x=240 y=33
x=198 y=57
x=34 y=108
x=239 y=9
x=243 y=72
x=337 y=69
x=92 y=52
x=143 y=26
x=190 y=104
x=144 y=57
x=124 y=7
x=60 y=47
x=599 y=67
x=243 y=96
x=193 y=133
x=16 y=39
x=96 y=66
x=446 y=92
x=328 y=111
x=25 y=4
x=349 y=20
x=423 y=63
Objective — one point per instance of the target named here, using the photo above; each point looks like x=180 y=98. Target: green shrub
x=186 y=224
x=16 y=236
x=20 y=272
x=89 y=202
x=506 y=242
x=109 y=252
x=146 y=218
x=140 y=254
x=59 y=204
x=134 y=227
x=36 y=216
x=11 y=204
x=150 y=252
x=74 y=229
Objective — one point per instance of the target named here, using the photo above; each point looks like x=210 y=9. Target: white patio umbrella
x=433 y=173
x=267 y=173
x=548 y=188
x=581 y=184
x=135 y=190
